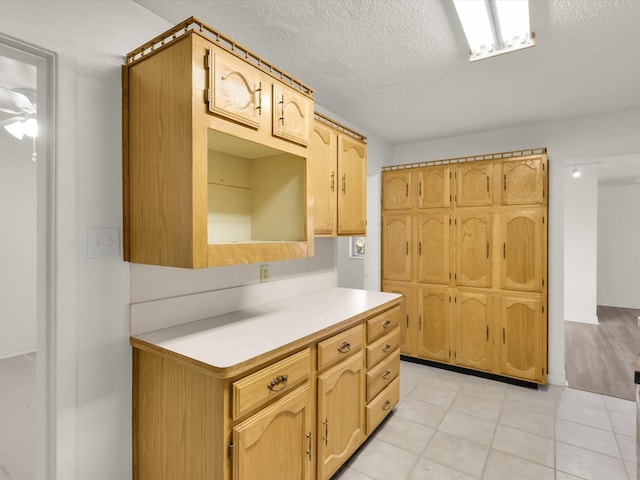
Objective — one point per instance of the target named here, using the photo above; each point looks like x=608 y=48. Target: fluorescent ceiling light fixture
x=493 y=27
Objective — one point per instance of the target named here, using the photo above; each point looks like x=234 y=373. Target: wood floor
x=602 y=358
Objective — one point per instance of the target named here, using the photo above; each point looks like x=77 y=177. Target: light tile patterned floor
x=454 y=426
x=18 y=418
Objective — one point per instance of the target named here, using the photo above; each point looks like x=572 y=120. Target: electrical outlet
x=264 y=273
x=103 y=242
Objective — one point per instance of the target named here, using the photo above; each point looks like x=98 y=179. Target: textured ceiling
x=399 y=69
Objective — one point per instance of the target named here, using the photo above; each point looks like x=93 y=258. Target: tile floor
x=454 y=426
x=18 y=418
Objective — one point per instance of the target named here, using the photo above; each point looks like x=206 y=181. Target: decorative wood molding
x=474 y=158
x=338 y=126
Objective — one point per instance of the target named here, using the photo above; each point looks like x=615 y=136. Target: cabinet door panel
x=433 y=260
x=522 y=256
x=396 y=185
x=433 y=187
x=352 y=186
x=274 y=443
x=291 y=115
x=341 y=420
x=324 y=178
x=236 y=89
x=408 y=317
x=473 y=184
x=522 y=337
x=435 y=323
x=473 y=249
x=472 y=314
x=396 y=258
x=522 y=181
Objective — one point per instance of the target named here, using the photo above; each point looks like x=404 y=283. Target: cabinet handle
x=420 y=189
x=420 y=248
x=407 y=248
x=344 y=184
x=406 y=190
x=504 y=250
x=386 y=348
x=387 y=405
x=386 y=323
x=279 y=383
x=386 y=375
x=309 y=445
x=503 y=336
x=326 y=431
x=487 y=333
x=487 y=183
x=259 y=92
x=487 y=249
x=345 y=347
x=504 y=182
x=281 y=102
x=333 y=180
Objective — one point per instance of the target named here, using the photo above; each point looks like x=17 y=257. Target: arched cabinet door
x=472 y=332
x=351 y=186
x=522 y=336
x=473 y=184
x=292 y=115
x=396 y=188
x=434 y=323
x=433 y=187
x=396 y=250
x=522 y=256
x=434 y=251
x=523 y=181
x=474 y=239
x=323 y=172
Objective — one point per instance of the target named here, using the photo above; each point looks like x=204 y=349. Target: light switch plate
x=103 y=242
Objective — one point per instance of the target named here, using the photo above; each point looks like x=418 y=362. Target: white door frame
x=45 y=63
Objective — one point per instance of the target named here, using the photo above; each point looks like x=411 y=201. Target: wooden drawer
x=380 y=407
x=382 y=348
x=383 y=323
x=339 y=346
x=382 y=375
x=270 y=382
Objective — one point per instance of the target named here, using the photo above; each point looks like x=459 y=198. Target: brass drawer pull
x=386 y=348
x=386 y=323
x=387 y=405
x=345 y=347
x=279 y=383
x=386 y=375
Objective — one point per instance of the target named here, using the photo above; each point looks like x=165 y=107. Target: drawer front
x=383 y=348
x=380 y=407
x=270 y=382
x=339 y=346
x=382 y=375
x=382 y=324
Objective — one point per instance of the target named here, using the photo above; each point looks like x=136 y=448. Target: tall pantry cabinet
x=465 y=241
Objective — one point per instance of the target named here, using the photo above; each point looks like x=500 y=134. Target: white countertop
x=231 y=339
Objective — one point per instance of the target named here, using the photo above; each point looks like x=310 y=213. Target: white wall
x=581 y=247
x=570 y=138
x=17 y=247
x=350 y=269
x=619 y=246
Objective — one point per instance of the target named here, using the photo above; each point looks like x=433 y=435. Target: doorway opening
x=26 y=253
x=602 y=262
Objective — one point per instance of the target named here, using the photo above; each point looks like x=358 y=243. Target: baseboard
x=620 y=303
x=15 y=351
x=581 y=318
x=557 y=379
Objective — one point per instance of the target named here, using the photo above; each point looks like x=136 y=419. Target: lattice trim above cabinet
x=192 y=24
x=338 y=126
x=474 y=158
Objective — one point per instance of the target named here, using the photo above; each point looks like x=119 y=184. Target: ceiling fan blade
x=17 y=99
x=12 y=112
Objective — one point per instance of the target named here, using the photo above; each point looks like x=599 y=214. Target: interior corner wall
x=618 y=241
x=17 y=247
x=614 y=133
x=581 y=248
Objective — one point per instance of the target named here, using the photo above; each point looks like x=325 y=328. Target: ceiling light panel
x=493 y=27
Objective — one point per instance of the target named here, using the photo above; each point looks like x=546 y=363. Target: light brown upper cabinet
x=338 y=179
x=523 y=180
x=473 y=248
x=523 y=255
x=396 y=185
x=473 y=184
x=215 y=158
x=433 y=184
x=434 y=249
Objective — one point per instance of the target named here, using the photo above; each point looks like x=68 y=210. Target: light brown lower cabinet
x=298 y=414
